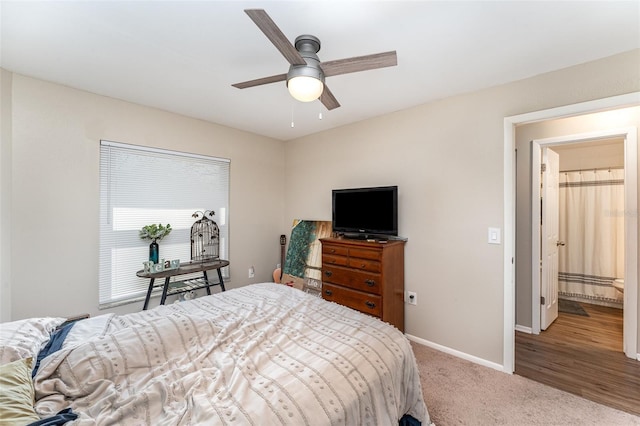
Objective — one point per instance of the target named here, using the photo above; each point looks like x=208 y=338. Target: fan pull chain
x=293 y=104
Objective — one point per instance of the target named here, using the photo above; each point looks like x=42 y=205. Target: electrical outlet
x=412 y=298
x=252 y=272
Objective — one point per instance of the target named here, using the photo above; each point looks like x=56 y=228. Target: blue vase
x=154 y=252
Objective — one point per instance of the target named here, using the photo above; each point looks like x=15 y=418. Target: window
x=140 y=186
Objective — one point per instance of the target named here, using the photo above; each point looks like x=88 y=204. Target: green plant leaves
x=154 y=232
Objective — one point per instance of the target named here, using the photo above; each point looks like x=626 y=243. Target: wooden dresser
x=366 y=276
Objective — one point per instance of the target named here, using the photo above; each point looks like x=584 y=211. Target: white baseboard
x=524 y=329
x=472 y=358
x=458 y=354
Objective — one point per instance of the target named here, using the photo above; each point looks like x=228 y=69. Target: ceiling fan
x=306 y=75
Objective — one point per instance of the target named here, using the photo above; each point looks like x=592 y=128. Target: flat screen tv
x=365 y=212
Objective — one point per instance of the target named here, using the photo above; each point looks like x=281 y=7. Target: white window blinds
x=141 y=186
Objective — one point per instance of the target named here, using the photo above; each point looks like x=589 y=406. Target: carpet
x=571 y=307
x=459 y=392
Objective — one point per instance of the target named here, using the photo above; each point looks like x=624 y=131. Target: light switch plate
x=494 y=236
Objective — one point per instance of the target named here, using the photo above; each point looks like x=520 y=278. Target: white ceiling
x=183 y=56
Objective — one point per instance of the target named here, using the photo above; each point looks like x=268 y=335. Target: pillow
x=16 y=393
x=24 y=338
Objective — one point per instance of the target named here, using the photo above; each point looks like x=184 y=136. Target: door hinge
x=542 y=300
x=543 y=167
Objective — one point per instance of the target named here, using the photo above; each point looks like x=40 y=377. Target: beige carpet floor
x=459 y=392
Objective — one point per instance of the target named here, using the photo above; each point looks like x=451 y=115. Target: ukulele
x=277 y=274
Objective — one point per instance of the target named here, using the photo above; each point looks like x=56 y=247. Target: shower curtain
x=592 y=228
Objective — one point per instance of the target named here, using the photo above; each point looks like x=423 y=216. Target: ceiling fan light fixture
x=306 y=82
x=304 y=88
x=305 y=79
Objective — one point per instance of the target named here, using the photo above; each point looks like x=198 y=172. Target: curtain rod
x=593 y=169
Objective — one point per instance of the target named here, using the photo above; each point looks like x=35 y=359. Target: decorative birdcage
x=205 y=237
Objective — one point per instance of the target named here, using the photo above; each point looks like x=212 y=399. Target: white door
x=550 y=238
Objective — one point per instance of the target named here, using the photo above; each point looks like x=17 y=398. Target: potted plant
x=154 y=233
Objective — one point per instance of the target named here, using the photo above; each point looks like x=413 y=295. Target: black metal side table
x=184 y=286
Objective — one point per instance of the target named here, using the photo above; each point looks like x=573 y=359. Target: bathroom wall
x=591 y=155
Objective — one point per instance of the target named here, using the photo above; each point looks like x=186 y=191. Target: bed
x=260 y=354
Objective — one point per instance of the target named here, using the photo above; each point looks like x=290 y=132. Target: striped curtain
x=592 y=227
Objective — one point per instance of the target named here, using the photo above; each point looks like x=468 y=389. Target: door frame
x=630 y=311
x=509 y=190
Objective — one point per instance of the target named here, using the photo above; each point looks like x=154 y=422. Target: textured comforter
x=261 y=354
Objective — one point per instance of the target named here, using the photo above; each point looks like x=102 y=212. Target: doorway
x=549 y=356
x=510 y=173
x=630 y=303
x=588 y=176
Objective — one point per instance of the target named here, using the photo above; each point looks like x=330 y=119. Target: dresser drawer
x=357 y=280
x=334 y=250
x=365 y=265
x=363 y=302
x=328 y=259
x=363 y=253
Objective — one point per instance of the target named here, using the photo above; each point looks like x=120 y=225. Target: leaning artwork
x=303 y=262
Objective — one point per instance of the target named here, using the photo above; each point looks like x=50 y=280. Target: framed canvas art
x=303 y=261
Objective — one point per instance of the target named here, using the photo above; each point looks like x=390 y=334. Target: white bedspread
x=264 y=354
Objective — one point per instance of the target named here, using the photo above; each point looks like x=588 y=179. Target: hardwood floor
x=583 y=355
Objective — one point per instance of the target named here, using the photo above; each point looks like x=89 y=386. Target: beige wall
x=445 y=156
x=5 y=188
x=55 y=191
x=447 y=159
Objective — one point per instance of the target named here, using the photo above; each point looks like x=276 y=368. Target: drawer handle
x=333 y=250
x=328 y=273
x=370 y=283
x=370 y=304
x=328 y=292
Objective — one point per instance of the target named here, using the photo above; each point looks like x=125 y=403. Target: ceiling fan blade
x=273 y=33
x=261 y=81
x=359 y=63
x=328 y=100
